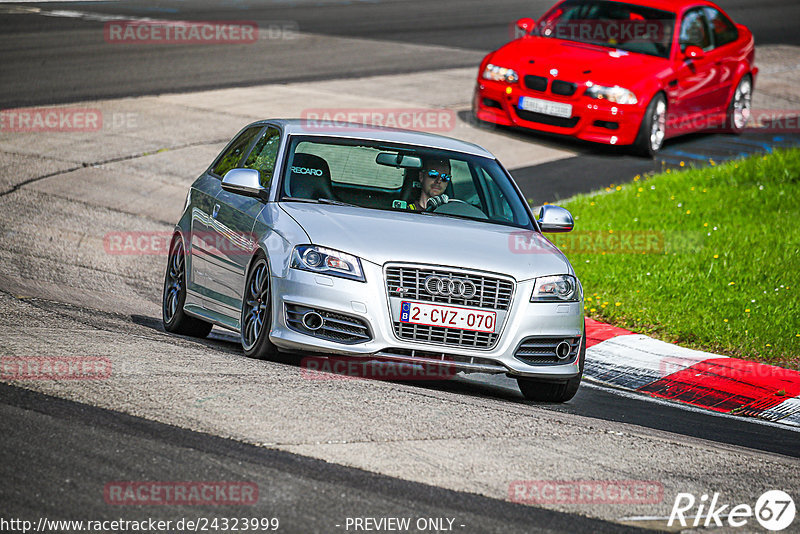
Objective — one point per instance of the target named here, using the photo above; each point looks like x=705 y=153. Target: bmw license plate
x=546 y=107
x=448 y=316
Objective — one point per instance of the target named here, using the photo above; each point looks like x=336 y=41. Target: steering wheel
x=458 y=207
x=439 y=201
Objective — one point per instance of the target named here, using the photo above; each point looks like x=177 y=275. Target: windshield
x=386 y=176
x=611 y=24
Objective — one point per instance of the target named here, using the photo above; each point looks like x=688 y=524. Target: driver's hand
x=435 y=202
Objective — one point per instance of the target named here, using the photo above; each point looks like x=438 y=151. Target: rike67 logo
x=774 y=510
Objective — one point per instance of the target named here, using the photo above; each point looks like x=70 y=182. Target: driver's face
x=433 y=186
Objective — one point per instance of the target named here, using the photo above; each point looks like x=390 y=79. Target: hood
x=387 y=236
x=537 y=55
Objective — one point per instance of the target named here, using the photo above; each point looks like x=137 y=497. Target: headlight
x=616 y=94
x=558 y=288
x=500 y=74
x=327 y=261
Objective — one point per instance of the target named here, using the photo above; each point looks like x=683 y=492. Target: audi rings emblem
x=450 y=287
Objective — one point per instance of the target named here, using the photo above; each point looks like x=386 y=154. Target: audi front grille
x=451 y=287
x=408 y=283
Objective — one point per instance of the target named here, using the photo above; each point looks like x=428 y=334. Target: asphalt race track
x=60 y=59
x=180 y=409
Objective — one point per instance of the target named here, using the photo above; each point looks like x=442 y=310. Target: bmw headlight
x=327 y=261
x=563 y=287
x=500 y=74
x=615 y=95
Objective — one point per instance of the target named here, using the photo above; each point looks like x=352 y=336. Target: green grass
x=721 y=264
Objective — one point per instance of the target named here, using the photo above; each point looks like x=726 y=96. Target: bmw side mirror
x=524 y=26
x=693 y=52
x=245 y=182
x=555 y=219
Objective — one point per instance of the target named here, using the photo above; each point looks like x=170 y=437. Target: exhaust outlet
x=563 y=349
x=313 y=321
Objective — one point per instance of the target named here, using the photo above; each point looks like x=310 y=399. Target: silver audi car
x=381 y=244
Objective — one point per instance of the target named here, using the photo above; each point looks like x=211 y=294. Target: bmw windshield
x=625 y=27
x=391 y=176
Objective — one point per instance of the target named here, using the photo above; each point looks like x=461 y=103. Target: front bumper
x=370 y=304
x=592 y=120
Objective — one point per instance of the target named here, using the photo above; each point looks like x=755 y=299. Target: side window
x=463 y=186
x=694 y=30
x=231 y=157
x=262 y=157
x=724 y=30
x=499 y=208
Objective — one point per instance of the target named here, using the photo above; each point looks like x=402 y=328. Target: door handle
x=215 y=212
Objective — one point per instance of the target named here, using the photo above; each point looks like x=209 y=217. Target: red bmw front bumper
x=591 y=119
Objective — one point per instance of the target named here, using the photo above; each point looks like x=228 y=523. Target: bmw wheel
x=173 y=317
x=740 y=105
x=653 y=128
x=257 y=312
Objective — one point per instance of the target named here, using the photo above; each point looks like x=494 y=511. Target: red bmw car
x=622 y=73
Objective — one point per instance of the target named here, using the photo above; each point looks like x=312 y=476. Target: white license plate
x=546 y=107
x=447 y=316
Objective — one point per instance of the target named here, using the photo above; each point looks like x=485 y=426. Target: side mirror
x=555 y=219
x=525 y=24
x=245 y=182
x=693 y=52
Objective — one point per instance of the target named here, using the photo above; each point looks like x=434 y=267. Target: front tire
x=740 y=106
x=653 y=129
x=547 y=391
x=173 y=298
x=256 y=319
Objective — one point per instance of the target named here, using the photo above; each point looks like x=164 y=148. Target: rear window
x=354 y=165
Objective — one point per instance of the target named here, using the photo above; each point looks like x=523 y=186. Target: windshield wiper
x=299 y=199
x=318 y=201
x=336 y=202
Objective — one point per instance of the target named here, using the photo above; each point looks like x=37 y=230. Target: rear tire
x=652 y=131
x=547 y=391
x=256 y=319
x=173 y=298
x=740 y=106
